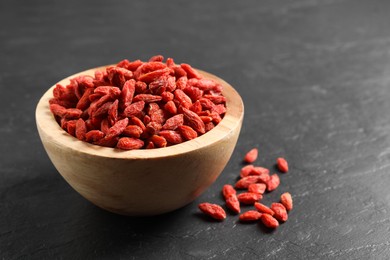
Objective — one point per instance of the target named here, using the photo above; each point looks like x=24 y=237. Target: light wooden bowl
x=141 y=182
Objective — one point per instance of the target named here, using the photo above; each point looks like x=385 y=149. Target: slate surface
x=314 y=77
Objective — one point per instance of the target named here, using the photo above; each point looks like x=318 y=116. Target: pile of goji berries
x=255 y=181
x=137 y=104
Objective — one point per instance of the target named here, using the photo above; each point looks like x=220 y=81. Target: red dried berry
x=273 y=182
x=246 y=181
x=280 y=211
x=251 y=215
x=263 y=208
x=251 y=156
x=146 y=94
x=257 y=188
x=269 y=221
x=282 y=164
x=228 y=190
x=128 y=143
x=233 y=203
x=249 y=197
x=187 y=132
x=246 y=170
x=287 y=201
x=213 y=210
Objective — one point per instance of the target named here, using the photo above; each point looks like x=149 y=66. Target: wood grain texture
x=144 y=181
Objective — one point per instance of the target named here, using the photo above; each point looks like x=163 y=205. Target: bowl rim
x=50 y=131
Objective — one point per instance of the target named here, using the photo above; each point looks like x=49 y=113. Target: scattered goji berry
x=287 y=201
x=213 y=210
x=269 y=221
x=280 y=211
x=257 y=188
x=282 y=164
x=251 y=156
x=273 y=182
x=251 y=215
x=246 y=170
x=246 y=181
x=228 y=190
x=249 y=197
x=263 y=208
x=233 y=203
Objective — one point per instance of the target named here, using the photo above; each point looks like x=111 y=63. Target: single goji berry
x=228 y=190
x=280 y=212
x=191 y=72
x=246 y=170
x=173 y=122
x=257 y=188
x=213 y=210
x=233 y=204
x=171 y=136
x=251 y=156
x=194 y=121
x=273 y=182
x=127 y=94
x=93 y=136
x=246 y=181
x=251 y=215
x=132 y=131
x=286 y=200
x=81 y=129
x=118 y=128
x=282 y=165
x=269 y=221
x=128 y=143
x=263 y=208
x=249 y=197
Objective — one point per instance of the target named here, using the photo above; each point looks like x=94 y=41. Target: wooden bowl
x=141 y=182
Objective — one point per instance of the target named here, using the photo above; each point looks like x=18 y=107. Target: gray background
x=314 y=77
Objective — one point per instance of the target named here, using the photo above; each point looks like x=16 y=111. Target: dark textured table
x=314 y=77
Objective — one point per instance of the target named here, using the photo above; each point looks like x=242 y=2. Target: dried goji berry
x=194 y=121
x=269 y=221
x=233 y=204
x=135 y=109
x=128 y=143
x=249 y=197
x=113 y=112
x=171 y=136
x=93 y=136
x=251 y=215
x=246 y=181
x=251 y=156
x=286 y=200
x=147 y=98
x=246 y=170
x=282 y=165
x=173 y=122
x=257 y=188
x=213 y=210
x=170 y=107
x=158 y=141
x=191 y=72
x=127 y=94
x=273 y=182
x=175 y=100
x=263 y=208
x=228 y=190
x=81 y=129
x=132 y=131
x=118 y=128
x=280 y=212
